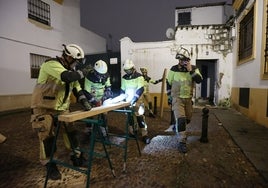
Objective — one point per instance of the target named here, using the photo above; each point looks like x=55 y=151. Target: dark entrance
x=208 y=71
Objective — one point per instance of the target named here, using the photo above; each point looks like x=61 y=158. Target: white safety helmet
x=74 y=51
x=128 y=64
x=183 y=54
x=101 y=67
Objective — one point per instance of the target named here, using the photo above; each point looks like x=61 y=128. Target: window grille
x=184 y=18
x=39 y=11
x=36 y=62
x=246 y=36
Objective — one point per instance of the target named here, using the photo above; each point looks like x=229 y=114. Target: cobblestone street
x=218 y=163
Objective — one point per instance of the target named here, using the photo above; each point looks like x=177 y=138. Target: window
x=184 y=18
x=246 y=31
x=244 y=97
x=35 y=62
x=264 y=59
x=39 y=11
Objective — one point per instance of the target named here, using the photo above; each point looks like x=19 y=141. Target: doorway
x=206 y=90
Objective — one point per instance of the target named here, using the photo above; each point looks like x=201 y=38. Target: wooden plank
x=59 y=1
x=163 y=88
x=78 y=115
x=2 y=138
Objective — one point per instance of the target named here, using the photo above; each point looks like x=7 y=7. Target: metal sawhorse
x=96 y=123
x=129 y=112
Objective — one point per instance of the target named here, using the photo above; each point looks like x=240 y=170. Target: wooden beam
x=59 y=1
x=78 y=115
x=237 y=4
x=2 y=138
x=163 y=88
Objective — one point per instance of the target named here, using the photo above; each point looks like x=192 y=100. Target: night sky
x=140 y=20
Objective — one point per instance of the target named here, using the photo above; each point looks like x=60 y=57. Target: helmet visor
x=129 y=71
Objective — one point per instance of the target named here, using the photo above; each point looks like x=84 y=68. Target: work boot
x=151 y=114
x=79 y=161
x=131 y=132
x=53 y=172
x=88 y=130
x=146 y=139
x=172 y=128
x=104 y=131
x=85 y=135
x=182 y=147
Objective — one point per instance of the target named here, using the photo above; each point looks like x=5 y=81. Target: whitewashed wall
x=205 y=43
x=202 y=48
x=248 y=74
x=203 y=15
x=19 y=38
x=156 y=56
x=207 y=15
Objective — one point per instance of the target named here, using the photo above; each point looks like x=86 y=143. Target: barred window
x=36 y=62
x=184 y=18
x=39 y=11
x=246 y=36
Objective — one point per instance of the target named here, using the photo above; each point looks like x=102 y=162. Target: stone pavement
x=251 y=137
x=161 y=165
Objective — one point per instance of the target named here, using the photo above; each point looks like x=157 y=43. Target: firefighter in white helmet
x=132 y=84
x=146 y=94
x=51 y=97
x=97 y=84
x=180 y=83
x=97 y=88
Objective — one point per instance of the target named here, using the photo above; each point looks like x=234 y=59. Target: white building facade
x=250 y=59
x=21 y=36
x=210 y=45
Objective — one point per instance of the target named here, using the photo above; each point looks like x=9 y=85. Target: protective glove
x=85 y=104
x=107 y=94
x=83 y=100
x=86 y=70
x=95 y=102
x=169 y=100
x=133 y=101
x=157 y=81
x=98 y=103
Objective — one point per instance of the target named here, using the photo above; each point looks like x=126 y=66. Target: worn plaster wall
x=206 y=39
x=210 y=43
x=157 y=56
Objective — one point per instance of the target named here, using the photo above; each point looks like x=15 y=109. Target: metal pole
x=155 y=105
x=204 y=137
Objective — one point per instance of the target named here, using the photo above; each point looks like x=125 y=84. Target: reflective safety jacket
x=132 y=85
x=51 y=91
x=96 y=84
x=147 y=81
x=180 y=82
